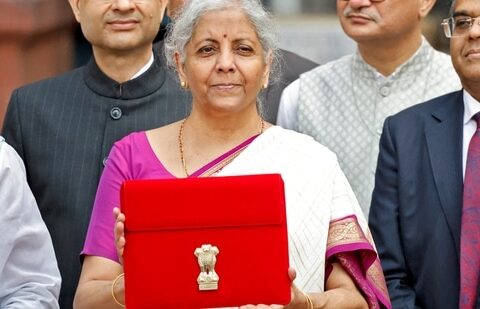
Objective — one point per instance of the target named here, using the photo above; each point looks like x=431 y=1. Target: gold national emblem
x=207 y=257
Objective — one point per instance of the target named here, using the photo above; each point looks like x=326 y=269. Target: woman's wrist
x=117 y=290
x=308 y=300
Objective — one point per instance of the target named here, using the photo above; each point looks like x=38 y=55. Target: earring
x=265 y=85
x=183 y=84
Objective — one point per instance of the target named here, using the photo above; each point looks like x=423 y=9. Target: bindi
x=225 y=36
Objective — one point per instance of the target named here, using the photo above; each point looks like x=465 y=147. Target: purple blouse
x=130 y=158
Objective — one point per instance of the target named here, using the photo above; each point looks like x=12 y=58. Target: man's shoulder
x=337 y=66
x=442 y=61
x=332 y=75
x=54 y=82
x=445 y=104
x=9 y=157
x=441 y=56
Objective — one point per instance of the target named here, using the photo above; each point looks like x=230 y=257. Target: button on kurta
x=116 y=113
x=384 y=91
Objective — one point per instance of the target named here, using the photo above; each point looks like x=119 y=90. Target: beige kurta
x=344 y=103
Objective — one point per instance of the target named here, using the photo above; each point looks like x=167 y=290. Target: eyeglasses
x=458 y=26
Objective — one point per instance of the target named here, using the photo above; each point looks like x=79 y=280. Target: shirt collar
x=144 y=68
x=472 y=106
x=143 y=85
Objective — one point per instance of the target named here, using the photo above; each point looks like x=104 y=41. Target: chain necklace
x=180 y=143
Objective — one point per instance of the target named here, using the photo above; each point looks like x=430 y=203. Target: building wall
x=35 y=42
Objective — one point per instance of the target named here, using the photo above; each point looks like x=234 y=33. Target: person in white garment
x=343 y=103
x=224 y=52
x=29 y=275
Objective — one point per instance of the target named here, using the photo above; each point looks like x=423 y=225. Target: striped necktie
x=470 y=230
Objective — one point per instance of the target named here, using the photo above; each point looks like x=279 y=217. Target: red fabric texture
x=166 y=220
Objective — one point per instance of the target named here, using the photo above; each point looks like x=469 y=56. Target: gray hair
x=185 y=21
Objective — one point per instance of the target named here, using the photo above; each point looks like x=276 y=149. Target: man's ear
x=75 y=5
x=425 y=6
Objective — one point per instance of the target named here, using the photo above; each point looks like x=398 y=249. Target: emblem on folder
x=207 y=257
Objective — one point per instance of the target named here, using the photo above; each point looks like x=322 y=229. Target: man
x=29 y=276
x=343 y=103
x=426 y=230
x=64 y=127
x=292 y=65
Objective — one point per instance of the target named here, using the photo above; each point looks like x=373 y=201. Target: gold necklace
x=180 y=142
x=180 y=147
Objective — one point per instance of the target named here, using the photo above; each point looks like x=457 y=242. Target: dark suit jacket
x=64 y=127
x=291 y=66
x=416 y=208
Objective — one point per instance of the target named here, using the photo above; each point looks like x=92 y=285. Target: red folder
x=184 y=234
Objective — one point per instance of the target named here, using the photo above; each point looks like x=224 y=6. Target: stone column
x=36 y=41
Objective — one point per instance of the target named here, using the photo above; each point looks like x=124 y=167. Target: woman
x=224 y=53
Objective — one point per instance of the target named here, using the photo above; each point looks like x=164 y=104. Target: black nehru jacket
x=64 y=127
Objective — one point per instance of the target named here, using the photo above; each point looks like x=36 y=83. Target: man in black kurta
x=64 y=127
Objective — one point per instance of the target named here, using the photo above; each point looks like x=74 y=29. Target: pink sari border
x=218 y=163
x=348 y=245
x=348 y=248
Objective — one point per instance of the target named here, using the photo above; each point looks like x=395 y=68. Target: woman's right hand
x=298 y=298
x=119 y=232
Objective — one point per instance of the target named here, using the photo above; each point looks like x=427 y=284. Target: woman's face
x=224 y=63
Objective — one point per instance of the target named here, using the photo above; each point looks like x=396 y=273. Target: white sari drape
x=316 y=190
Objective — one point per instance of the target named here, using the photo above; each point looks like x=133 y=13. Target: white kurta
x=316 y=193
x=29 y=276
x=344 y=103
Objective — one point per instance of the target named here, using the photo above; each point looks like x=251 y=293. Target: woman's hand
x=298 y=298
x=119 y=232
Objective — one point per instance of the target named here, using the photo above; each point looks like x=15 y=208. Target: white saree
x=316 y=191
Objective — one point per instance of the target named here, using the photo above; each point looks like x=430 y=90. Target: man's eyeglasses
x=458 y=26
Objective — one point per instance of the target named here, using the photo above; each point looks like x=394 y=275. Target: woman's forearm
x=340 y=292
x=98 y=294
x=339 y=298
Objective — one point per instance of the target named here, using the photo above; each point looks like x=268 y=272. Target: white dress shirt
x=472 y=107
x=29 y=275
x=144 y=68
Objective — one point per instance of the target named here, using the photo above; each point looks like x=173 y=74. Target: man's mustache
x=367 y=12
